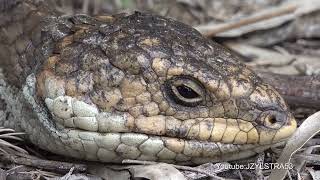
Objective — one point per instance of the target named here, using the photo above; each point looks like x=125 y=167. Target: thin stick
x=274 y=12
x=43 y=164
x=298 y=91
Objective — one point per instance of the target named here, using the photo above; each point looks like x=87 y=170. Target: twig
x=302 y=161
x=274 y=12
x=85 y=6
x=302 y=91
x=55 y=166
x=3 y=174
x=186 y=168
x=240 y=175
x=309 y=157
x=259 y=162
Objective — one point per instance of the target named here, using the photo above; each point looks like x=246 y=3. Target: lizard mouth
x=160 y=138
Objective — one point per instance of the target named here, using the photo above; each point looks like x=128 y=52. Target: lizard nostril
x=273 y=119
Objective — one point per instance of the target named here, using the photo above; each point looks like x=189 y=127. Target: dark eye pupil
x=187 y=92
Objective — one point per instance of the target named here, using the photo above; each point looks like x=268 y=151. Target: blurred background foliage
x=192 y=12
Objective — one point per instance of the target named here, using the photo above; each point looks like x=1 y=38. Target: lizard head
x=150 y=88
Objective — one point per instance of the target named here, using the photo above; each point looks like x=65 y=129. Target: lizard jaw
x=69 y=112
x=121 y=137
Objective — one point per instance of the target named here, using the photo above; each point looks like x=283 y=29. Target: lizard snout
x=275 y=126
x=274 y=119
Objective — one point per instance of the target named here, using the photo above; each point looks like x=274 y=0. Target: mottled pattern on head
x=156 y=76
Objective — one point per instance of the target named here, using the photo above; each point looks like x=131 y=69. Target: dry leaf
x=159 y=171
x=106 y=172
x=309 y=128
x=314 y=174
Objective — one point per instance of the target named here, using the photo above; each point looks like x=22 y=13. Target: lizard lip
x=115 y=147
x=72 y=113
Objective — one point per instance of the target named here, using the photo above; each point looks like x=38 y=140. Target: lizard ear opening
x=185 y=91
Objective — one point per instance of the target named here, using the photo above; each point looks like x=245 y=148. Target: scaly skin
x=138 y=86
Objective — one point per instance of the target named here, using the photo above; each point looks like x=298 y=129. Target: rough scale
x=139 y=86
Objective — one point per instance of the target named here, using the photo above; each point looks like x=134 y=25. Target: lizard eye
x=185 y=91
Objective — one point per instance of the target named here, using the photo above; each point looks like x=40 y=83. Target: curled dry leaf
x=309 y=128
x=314 y=174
